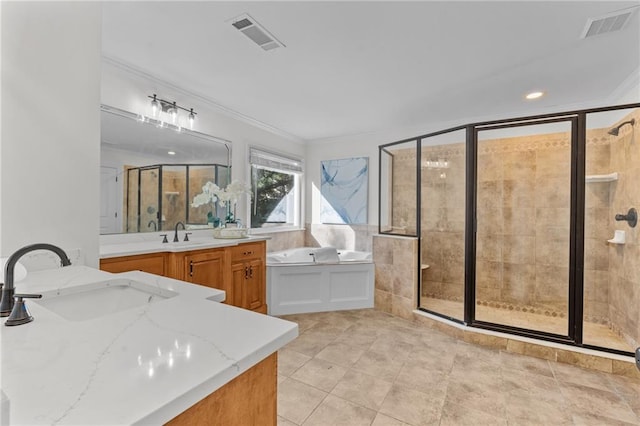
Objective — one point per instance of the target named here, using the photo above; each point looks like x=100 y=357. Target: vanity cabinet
x=239 y=270
x=248 y=275
x=154 y=263
x=249 y=399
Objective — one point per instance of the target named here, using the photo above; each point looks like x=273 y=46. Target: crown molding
x=139 y=72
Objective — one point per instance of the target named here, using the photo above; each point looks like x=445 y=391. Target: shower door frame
x=576 y=228
x=578 y=118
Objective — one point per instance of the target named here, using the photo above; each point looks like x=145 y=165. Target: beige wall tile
x=519 y=221
x=519 y=194
x=553 y=249
x=402 y=307
x=494 y=342
x=382 y=300
x=519 y=165
x=519 y=249
x=533 y=350
x=489 y=247
x=627 y=369
x=552 y=192
x=586 y=361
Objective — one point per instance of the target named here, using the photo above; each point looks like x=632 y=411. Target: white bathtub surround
x=315 y=255
x=297 y=284
x=352 y=237
x=142 y=365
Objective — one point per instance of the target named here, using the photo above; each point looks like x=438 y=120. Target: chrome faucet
x=175 y=236
x=8 y=291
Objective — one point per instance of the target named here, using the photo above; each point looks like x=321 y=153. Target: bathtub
x=313 y=279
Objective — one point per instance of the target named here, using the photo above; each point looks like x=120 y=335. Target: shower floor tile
x=439 y=380
x=594 y=334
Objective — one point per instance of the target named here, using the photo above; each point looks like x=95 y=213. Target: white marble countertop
x=144 y=365
x=146 y=246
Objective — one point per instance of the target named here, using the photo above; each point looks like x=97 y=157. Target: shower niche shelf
x=602 y=178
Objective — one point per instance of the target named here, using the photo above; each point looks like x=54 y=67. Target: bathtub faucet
x=313 y=255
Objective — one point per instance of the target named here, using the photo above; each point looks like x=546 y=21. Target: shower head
x=615 y=130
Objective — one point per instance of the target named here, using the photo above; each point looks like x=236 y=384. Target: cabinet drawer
x=248 y=251
x=151 y=263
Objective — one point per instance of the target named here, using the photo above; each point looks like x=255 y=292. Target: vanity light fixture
x=534 y=95
x=171 y=108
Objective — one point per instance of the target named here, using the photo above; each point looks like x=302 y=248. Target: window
x=276 y=183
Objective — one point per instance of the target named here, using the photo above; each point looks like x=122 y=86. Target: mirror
x=150 y=171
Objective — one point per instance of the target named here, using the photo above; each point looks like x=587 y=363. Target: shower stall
x=525 y=225
x=159 y=196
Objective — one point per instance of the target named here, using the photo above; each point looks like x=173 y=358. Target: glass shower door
x=148 y=203
x=523 y=211
x=442 y=223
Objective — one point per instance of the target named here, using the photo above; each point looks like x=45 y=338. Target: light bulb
x=173 y=111
x=155 y=107
x=192 y=119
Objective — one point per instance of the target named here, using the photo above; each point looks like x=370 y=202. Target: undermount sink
x=102 y=298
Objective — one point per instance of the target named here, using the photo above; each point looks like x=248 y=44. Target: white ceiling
x=355 y=67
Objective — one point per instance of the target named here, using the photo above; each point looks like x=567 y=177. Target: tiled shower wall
x=443 y=221
x=523 y=222
x=624 y=260
x=597 y=229
x=395 y=261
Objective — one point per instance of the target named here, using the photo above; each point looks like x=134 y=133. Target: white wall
x=50 y=135
x=127 y=88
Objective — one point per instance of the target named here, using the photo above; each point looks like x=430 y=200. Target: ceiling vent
x=256 y=32
x=608 y=23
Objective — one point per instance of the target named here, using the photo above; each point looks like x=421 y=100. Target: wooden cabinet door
x=238 y=277
x=249 y=275
x=254 y=291
x=206 y=269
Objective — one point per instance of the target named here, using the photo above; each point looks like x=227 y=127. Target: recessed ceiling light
x=171 y=153
x=534 y=95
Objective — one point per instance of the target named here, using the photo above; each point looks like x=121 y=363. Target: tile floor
x=594 y=334
x=366 y=367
